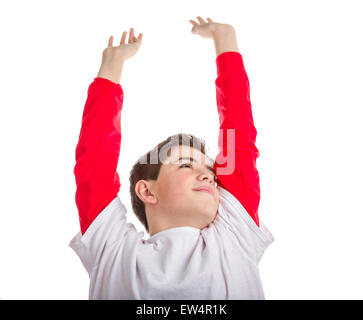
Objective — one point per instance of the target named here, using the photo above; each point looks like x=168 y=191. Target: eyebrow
x=193 y=160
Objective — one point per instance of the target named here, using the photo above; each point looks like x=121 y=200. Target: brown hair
x=148 y=167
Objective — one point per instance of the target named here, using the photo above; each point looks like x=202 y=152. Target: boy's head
x=162 y=183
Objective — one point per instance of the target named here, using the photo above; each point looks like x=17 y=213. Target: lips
x=205 y=189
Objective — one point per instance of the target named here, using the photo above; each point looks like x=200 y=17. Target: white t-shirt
x=218 y=262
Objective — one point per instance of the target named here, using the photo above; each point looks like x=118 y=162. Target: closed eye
x=182 y=166
x=189 y=166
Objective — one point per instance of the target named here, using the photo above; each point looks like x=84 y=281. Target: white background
x=304 y=62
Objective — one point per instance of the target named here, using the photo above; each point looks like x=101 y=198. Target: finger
x=124 y=34
x=131 y=35
x=140 y=36
x=193 y=23
x=200 y=19
x=210 y=20
x=110 y=40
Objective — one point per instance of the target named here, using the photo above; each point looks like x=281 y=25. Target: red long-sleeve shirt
x=234 y=110
x=98 y=148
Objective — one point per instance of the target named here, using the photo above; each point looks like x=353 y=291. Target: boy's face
x=175 y=188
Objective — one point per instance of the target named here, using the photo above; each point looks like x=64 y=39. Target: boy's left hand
x=113 y=58
x=223 y=34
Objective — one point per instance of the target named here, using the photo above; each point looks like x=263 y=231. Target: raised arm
x=98 y=148
x=235 y=116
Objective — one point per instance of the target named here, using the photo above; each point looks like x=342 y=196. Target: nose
x=207 y=176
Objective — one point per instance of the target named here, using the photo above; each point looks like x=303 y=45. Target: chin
x=206 y=212
x=209 y=217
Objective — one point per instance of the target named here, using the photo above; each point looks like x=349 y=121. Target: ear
x=145 y=193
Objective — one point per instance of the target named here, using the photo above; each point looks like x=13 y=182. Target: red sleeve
x=234 y=109
x=98 y=150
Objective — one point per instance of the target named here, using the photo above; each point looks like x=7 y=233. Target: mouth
x=206 y=190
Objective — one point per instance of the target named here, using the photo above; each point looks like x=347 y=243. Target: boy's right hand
x=124 y=50
x=113 y=57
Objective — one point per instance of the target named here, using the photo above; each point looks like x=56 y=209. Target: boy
x=206 y=239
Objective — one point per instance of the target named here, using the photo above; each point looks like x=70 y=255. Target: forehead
x=178 y=152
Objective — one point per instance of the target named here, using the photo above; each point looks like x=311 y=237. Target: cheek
x=181 y=187
x=177 y=188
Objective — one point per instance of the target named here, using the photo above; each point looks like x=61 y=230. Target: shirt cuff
x=106 y=83
x=229 y=61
